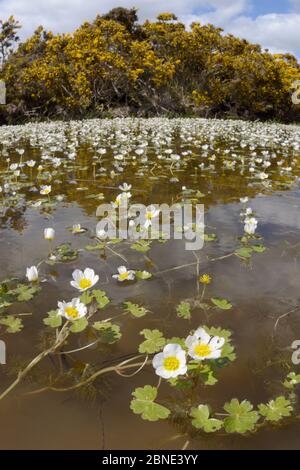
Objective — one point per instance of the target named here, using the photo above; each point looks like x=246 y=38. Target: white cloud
x=274 y=31
x=278 y=32
x=65 y=15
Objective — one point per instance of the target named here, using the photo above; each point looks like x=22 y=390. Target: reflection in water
x=211 y=162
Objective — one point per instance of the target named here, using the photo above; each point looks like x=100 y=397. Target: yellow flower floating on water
x=205 y=279
x=73 y=310
x=202 y=346
x=171 y=362
x=84 y=280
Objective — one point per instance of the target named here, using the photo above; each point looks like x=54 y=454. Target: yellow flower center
x=171 y=363
x=124 y=276
x=202 y=350
x=85 y=283
x=72 y=312
x=149 y=216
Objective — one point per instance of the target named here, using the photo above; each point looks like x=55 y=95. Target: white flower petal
x=202 y=335
x=158 y=360
x=217 y=342
x=122 y=269
x=172 y=350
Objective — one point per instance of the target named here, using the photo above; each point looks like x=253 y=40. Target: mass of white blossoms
x=172 y=362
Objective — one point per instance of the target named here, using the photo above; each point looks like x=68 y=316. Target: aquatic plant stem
x=59 y=341
x=92 y=377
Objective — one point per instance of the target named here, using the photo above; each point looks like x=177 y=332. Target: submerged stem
x=92 y=377
x=59 y=341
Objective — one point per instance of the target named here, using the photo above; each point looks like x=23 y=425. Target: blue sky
x=275 y=24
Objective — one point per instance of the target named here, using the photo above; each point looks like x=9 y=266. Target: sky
x=275 y=24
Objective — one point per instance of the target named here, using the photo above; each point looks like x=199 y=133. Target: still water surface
x=95 y=157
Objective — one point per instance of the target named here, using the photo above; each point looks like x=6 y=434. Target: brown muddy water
x=215 y=163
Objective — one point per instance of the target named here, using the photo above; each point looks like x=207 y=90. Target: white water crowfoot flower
x=244 y=200
x=49 y=234
x=45 y=190
x=151 y=213
x=202 y=346
x=124 y=274
x=250 y=225
x=77 y=229
x=121 y=199
x=171 y=362
x=73 y=310
x=84 y=280
x=125 y=187
x=32 y=274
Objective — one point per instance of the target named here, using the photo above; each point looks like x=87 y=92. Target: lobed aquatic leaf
x=223 y=304
x=242 y=418
x=143 y=404
x=136 y=310
x=276 y=409
x=154 y=342
x=12 y=324
x=184 y=310
x=201 y=419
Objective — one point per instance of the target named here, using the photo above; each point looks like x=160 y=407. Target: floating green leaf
x=101 y=298
x=276 y=409
x=222 y=303
x=79 y=325
x=141 y=246
x=136 y=310
x=210 y=237
x=154 y=342
x=201 y=419
x=25 y=292
x=54 y=320
x=143 y=404
x=109 y=333
x=242 y=418
x=143 y=275
x=66 y=253
x=99 y=246
x=12 y=324
x=86 y=298
x=207 y=375
x=292 y=379
x=184 y=310
x=244 y=252
x=259 y=248
x=6 y=298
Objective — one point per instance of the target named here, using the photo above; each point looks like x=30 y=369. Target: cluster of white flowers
x=250 y=222
x=172 y=362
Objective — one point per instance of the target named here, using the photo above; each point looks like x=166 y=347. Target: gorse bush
x=116 y=66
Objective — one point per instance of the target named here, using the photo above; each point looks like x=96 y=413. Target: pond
x=242 y=286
